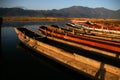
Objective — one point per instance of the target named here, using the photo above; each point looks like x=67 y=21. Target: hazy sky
x=58 y=4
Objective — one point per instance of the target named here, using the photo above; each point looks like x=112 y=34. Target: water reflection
x=26 y=23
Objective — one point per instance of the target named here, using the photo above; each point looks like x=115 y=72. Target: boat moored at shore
x=84 y=65
x=101 y=44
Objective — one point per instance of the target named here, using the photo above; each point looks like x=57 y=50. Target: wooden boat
x=93 y=33
x=79 y=39
x=88 y=66
x=74 y=32
x=95 y=27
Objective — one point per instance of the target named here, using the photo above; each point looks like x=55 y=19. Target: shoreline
x=110 y=22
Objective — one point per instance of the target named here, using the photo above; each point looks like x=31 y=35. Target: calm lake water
x=20 y=63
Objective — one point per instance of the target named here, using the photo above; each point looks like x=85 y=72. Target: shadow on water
x=1 y=21
x=65 y=71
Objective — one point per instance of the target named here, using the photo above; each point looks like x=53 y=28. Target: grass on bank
x=113 y=22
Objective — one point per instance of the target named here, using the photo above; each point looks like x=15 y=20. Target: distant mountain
x=74 y=11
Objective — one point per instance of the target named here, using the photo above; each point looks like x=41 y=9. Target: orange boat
x=96 y=25
x=58 y=29
x=87 y=41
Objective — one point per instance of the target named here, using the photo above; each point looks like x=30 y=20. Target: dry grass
x=113 y=22
x=33 y=19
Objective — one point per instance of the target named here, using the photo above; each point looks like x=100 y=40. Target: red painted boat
x=98 y=44
x=96 y=25
x=87 y=37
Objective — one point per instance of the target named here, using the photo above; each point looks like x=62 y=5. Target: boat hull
x=115 y=49
x=88 y=66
